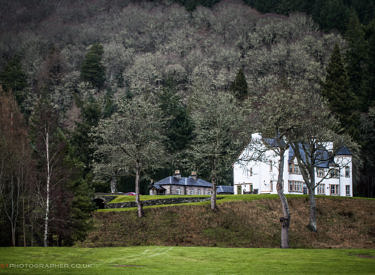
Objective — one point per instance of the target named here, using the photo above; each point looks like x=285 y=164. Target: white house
x=260 y=176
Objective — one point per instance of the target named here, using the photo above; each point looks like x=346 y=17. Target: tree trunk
x=13 y=232
x=312 y=222
x=213 y=194
x=285 y=220
x=137 y=196
x=113 y=185
x=23 y=222
x=46 y=218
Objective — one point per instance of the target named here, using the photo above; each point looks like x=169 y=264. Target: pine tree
x=356 y=58
x=14 y=79
x=369 y=84
x=336 y=90
x=92 y=69
x=239 y=86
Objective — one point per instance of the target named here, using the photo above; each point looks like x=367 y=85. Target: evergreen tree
x=92 y=69
x=369 y=84
x=14 y=79
x=336 y=90
x=81 y=140
x=239 y=86
x=179 y=124
x=331 y=14
x=356 y=58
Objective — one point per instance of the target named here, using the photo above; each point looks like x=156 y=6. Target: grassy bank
x=186 y=260
x=242 y=221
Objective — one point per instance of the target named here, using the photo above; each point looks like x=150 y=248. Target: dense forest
x=99 y=94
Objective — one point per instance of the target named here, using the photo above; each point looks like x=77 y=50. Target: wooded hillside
x=71 y=71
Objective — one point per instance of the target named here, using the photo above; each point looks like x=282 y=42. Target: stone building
x=177 y=185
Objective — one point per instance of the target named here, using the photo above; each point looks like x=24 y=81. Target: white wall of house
x=262 y=175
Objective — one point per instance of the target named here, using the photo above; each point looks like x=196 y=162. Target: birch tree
x=130 y=142
x=48 y=147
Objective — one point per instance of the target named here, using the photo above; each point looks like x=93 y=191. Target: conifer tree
x=370 y=77
x=239 y=86
x=356 y=58
x=336 y=90
x=92 y=69
x=14 y=79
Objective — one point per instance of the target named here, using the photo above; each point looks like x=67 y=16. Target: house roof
x=323 y=158
x=183 y=181
x=343 y=151
x=224 y=189
x=273 y=142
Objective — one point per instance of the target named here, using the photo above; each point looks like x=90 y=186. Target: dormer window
x=294 y=169
x=334 y=173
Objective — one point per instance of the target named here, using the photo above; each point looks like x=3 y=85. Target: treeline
x=70 y=75
x=328 y=14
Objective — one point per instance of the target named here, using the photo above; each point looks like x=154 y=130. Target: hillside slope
x=342 y=223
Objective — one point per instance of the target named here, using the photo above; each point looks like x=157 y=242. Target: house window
x=321 y=189
x=270 y=165
x=250 y=172
x=191 y=192
x=347 y=171
x=347 y=190
x=334 y=173
x=295 y=186
x=208 y=192
x=239 y=190
x=294 y=169
x=178 y=191
x=199 y=191
x=320 y=172
x=334 y=189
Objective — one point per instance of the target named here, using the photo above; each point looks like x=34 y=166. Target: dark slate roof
x=183 y=181
x=273 y=142
x=343 y=151
x=224 y=189
x=323 y=159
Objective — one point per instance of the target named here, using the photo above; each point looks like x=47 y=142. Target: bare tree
x=315 y=143
x=130 y=142
x=276 y=115
x=219 y=134
x=15 y=164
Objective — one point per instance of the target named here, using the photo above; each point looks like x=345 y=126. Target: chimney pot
x=194 y=175
x=177 y=174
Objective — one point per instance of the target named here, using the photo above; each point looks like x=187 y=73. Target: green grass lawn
x=221 y=199
x=186 y=260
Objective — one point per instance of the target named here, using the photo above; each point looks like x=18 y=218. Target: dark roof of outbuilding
x=183 y=181
x=224 y=189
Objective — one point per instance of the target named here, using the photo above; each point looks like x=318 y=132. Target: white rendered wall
x=262 y=175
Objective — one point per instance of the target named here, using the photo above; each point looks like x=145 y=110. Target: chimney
x=177 y=174
x=194 y=175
